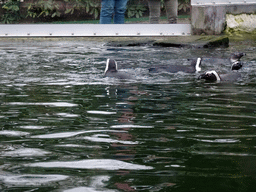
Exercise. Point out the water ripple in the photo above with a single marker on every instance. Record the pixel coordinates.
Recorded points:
(51, 104)
(25, 152)
(13, 133)
(101, 112)
(68, 134)
(129, 126)
(104, 164)
(32, 179)
(99, 138)
(87, 189)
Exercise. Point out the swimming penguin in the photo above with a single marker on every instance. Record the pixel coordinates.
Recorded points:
(214, 76)
(234, 60)
(111, 71)
(194, 67)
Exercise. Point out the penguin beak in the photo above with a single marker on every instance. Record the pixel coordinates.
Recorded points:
(242, 54)
(239, 56)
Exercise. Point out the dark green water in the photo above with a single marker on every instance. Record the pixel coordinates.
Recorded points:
(65, 128)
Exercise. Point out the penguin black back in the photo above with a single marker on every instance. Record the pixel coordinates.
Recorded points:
(194, 67)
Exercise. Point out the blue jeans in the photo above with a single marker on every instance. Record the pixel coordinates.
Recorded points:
(110, 7)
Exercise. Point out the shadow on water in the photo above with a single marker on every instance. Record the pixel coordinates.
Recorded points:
(63, 127)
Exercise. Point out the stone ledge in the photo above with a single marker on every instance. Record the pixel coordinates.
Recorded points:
(186, 41)
(178, 41)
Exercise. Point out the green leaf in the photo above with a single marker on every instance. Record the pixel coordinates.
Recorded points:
(54, 14)
(96, 14)
(68, 11)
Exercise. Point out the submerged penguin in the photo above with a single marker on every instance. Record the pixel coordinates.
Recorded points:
(214, 76)
(111, 71)
(194, 67)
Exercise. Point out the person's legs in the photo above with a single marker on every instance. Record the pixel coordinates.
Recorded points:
(120, 8)
(107, 10)
(154, 11)
(171, 7)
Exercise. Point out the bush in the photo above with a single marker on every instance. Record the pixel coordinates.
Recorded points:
(91, 7)
(43, 8)
(136, 8)
(11, 11)
(184, 5)
(48, 9)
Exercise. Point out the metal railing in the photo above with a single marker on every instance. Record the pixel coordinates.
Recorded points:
(78, 30)
(221, 2)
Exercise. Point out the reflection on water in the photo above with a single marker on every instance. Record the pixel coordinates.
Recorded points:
(66, 128)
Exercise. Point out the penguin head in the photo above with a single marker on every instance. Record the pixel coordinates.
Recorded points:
(210, 76)
(197, 64)
(111, 66)
(236, 56)
(236, 65)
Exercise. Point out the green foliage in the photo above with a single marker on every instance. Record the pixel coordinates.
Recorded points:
(135, 11)
(50, 8)
(184, 5)
(43, 8)
(136, 8)
(91, 6)
(12, 11)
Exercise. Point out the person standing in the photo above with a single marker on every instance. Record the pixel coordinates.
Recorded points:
(112, 8)
(171, 7)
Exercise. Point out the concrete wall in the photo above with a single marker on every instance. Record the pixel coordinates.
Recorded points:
(211, 19)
